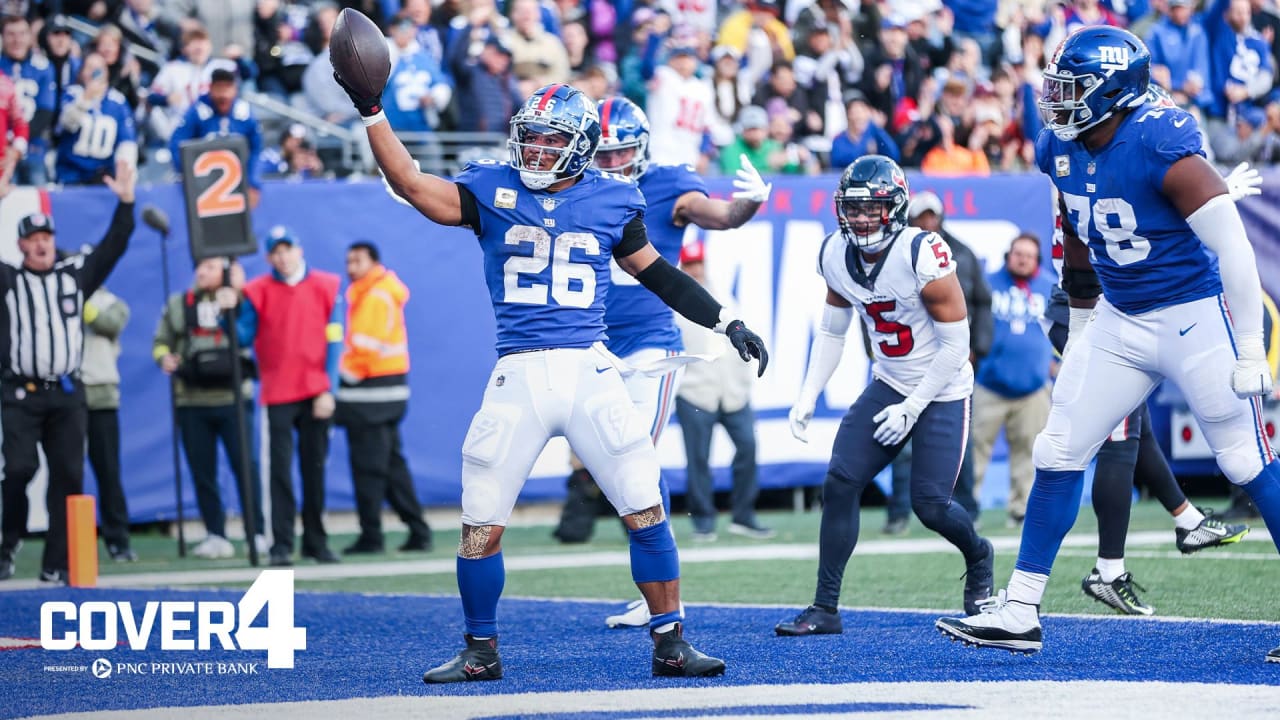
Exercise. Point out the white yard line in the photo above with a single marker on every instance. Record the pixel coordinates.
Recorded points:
(902, 701)
(688, 555)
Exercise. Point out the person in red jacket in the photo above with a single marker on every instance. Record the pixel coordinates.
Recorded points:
(13, 127)
(293, 317)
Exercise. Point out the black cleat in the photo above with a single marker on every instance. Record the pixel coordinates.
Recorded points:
(1211, 532)
(416, 543)
(322, 555)
(813, 620)
(1119, 593)
(1274, 656)
(364, 546)
(122, 553)
(979, 579)
(8, 560)
(479, 661)
(673, 656)
(54, 577)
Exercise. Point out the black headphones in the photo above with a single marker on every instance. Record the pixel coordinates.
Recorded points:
(1026, 235)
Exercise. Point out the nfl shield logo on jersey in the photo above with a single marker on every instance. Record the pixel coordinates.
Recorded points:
(549, 203)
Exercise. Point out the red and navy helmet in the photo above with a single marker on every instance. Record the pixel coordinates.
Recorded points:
(623, 125)
(872, 186)
(557, 123)
(1095, 72)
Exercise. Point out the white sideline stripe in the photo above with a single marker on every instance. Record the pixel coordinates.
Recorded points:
(1050, 700)
(557, 561)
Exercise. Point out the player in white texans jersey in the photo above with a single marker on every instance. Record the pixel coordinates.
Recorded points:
(640, 326)
(1140, 206)
(903, 283)
(548, 225)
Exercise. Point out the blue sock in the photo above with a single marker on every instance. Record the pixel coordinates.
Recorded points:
(1264, 490)
(1051, 511)
(480, 584)
(654, 557)
(658, 621)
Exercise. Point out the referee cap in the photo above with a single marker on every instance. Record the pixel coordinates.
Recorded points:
(34, 223)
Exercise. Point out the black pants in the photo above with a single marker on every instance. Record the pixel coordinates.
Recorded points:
(201, 429)
(51, 417)
(379, 472)
(104, 458)
(313, 450)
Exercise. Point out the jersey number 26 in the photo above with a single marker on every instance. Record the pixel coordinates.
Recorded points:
(573, 284)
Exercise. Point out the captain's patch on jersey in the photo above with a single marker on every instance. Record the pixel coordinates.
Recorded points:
(504, 198)
(1062, 165)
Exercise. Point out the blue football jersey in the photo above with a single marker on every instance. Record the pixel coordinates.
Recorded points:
(411, 79)
(636, 317)
(35, 82)
(89, 151)
(546, 255)
(1145, 254)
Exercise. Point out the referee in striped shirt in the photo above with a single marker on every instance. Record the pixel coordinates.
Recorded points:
(42, 400)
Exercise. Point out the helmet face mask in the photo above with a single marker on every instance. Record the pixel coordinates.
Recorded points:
(623, 127)
(554, 136)
(871, 202)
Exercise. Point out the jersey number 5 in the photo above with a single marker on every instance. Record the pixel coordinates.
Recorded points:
(905, 343)
(1124, 246)
(572, 284)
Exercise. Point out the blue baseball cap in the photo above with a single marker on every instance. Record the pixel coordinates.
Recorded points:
(281, 234)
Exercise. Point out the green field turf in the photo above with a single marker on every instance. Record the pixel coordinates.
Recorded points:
(1241, 582)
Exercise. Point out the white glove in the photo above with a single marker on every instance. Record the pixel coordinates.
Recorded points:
(1243, 181)
(753, 187)
(801, 414)
(1252, 375)
(896, 421)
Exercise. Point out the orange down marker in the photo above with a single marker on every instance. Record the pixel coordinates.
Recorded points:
(82, 540)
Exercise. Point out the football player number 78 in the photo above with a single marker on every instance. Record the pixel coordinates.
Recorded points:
(572, 284)
(1124, 246)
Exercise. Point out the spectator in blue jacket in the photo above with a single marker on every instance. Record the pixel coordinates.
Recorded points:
(1011, 389)
(417, 90)
(863, 137)
(1239, 58)
(34, 80)
(1180, 53)
(221, 112)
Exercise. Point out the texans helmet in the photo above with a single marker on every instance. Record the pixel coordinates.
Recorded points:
(871, 201)
(554, 136)
(1096, 71)
(623, 126)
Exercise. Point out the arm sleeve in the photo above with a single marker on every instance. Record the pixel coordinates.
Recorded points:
(634, 237)
(953, 353)
(824, 355)
(680, 292)
(1217, 223)
(99, 263)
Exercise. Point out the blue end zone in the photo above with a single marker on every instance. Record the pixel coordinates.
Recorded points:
(368, 646)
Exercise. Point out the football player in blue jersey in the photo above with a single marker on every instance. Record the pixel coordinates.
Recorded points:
(1140, 205)
(33, 77)
(548, 224)
(640, 326)
(96, 128)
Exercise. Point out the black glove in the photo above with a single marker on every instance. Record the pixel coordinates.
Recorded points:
(748, 344)
(368, 106)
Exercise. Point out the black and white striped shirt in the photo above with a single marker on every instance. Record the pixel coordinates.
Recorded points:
(41, 327)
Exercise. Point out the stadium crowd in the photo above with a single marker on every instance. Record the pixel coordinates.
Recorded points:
(799, 86)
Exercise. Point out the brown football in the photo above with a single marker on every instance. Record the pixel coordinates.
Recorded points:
(358, 51)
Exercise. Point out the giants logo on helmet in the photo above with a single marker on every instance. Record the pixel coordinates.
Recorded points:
(1114, 58)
